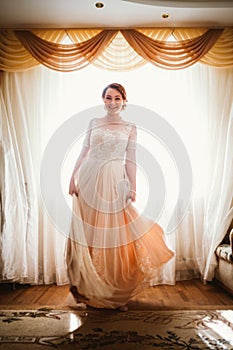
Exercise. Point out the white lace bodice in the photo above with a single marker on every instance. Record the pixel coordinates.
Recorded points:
(110, 141)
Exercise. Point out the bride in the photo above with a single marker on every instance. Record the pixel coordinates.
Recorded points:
(113, 252)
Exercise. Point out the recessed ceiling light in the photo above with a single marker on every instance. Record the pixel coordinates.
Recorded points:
(165, 15)
(99, 5)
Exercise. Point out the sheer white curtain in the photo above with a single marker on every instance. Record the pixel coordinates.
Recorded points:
(207, 130)
(212, 216)
(32, 251)
(19, 235)
(196, 102)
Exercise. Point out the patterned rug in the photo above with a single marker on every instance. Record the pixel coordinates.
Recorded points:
(110, 329)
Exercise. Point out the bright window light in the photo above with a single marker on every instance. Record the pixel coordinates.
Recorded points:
(164, 92)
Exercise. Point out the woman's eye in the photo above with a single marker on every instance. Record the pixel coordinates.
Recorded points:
(110, 99)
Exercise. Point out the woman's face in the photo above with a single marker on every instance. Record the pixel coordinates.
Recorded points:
(113, 101)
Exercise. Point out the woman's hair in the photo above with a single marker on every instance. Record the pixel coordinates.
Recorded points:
(117, 87)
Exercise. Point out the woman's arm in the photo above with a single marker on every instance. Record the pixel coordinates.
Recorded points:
(130, 163)
(82, 156)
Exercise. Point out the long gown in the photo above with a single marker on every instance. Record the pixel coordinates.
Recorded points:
(113, 251)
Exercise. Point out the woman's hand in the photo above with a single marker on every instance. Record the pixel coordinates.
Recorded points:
(72, 187)
(131, 196)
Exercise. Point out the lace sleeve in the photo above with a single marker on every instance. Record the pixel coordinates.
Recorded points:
(132, 141)
(130, 158)
(85, 147)
(86, 141)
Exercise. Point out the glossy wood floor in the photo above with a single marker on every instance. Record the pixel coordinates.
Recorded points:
(191, 294)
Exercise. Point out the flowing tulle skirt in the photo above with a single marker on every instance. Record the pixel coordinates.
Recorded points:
(113, 251)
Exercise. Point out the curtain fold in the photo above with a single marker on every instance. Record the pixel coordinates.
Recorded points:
(172, 55)
(220, 55)
(66, 58)
(120, 56)
(81, 35)
(116, 50)
(55, 36)
(218, 210)
(19, 234)
(32, 249)
(210, 211)
(13, 55)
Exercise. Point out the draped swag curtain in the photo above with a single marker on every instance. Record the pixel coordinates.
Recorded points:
(113, 49)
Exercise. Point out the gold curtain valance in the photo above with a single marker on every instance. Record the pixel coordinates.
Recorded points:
(115, 49)
(62, 57)
(172, 55)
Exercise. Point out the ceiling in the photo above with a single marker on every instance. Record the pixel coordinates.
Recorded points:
(23, 14)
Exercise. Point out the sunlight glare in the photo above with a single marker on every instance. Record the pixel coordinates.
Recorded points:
(163, 92)
(74, 322)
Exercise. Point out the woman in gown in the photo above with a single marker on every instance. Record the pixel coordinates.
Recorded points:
(113, 251)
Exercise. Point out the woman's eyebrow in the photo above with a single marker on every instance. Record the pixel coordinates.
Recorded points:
(114, 96)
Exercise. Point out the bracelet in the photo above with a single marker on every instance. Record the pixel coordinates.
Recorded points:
(132, 191)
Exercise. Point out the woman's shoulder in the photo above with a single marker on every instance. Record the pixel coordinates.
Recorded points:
(93, 122)
(131, 126)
